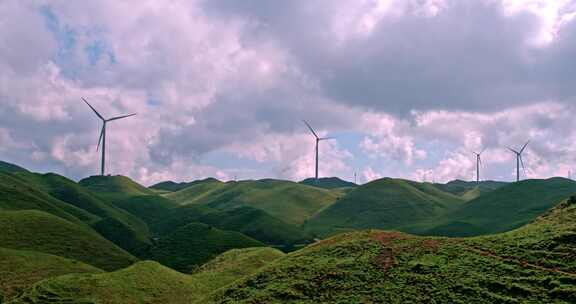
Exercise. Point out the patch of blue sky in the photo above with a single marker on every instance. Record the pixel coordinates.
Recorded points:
(66, 37)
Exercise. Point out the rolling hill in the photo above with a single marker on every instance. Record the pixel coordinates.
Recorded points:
(290, 202)
(190, 246)
(55, 194)
(385, 204)
(10, 168)
(16, 194)
(506, 208)
(250, 221)
(114, 187)
(460, 187)
(389, 267)
(328, 183)
(21, 269)
(34, 230)
(170, 186)
(150, 282)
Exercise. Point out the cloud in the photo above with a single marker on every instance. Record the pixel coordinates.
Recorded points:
(420, 83)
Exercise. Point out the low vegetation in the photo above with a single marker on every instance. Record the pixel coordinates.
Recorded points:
(42, 232)
(150, 282)
(194, 244)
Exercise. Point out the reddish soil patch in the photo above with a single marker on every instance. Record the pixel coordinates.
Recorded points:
(386, 259)
(430, 245)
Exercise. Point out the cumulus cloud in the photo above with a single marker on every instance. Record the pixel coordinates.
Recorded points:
(420, 84)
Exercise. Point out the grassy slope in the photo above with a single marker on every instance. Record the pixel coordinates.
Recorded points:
(460, 187)
(150, 282)
(328, 183)
(288, 201)
(114, 187)
(149, 208)
(170, 186)
(117, 225)
(194, 244)
(506, 208)
(43, 232)
(386, 204)
(20, 269)
(11, 168)
(250, 221)
(15, 194)
(534, 264)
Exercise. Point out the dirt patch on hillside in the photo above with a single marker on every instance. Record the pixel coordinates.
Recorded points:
(387, 256)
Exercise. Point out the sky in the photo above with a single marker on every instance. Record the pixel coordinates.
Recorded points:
(409, 88)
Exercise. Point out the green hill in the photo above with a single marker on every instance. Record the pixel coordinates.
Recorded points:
(385, 204)
(16, 194)
(39, 231)
(149, 208)
(290, 202)
(117, 225)
(250, 221)
(150, 282)
(328, 183)
(194, 244)
(506, 208)
(534, 264)
(114, 187)
(171, 186)
(10, 168)
(460, 187)
(20, 269)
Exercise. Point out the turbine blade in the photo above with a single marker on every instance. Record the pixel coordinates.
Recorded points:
(524, 147)
(513, 150)
(100, 139)
(120, 117)
(311, 130)
(326, 138)
(91, 107)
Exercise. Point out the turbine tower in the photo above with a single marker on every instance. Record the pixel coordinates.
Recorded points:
(318, 140)
(478, 164)
(102, 138)
(519, 160)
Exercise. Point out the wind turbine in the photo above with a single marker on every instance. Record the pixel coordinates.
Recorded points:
(478, 164)
(519, 160)
(318, 140)
(102, 138)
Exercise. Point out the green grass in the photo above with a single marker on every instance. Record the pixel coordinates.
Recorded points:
(114, 187)
(150, 282)
(506, 208)
(117, 225)
(385, 204)
(328, 183)
(290, 202)
(10, 168)
(170, 186)
(460, 187)
(194, 244)
(16, 194)
(20, 269)
(149, 208)
(252, 222)
(389, 267)
(39, 231)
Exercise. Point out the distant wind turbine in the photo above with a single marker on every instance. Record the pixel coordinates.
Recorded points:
(102, 138)
(318, 139)
(519, 160)
(478, 164)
